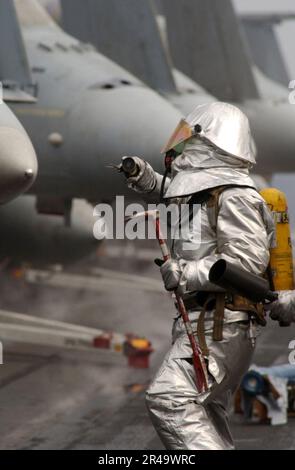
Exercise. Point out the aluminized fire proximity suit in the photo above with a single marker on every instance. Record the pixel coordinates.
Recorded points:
(219, 155)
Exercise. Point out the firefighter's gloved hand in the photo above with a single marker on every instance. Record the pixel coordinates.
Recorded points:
(144, 181)
(171, 274)
(283, 309)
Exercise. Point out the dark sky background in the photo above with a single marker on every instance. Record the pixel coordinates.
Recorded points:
(286, 35)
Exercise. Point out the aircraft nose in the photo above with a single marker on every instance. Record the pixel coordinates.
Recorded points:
(18, 163)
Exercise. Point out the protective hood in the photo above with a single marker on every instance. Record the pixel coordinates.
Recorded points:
(219, 124)
(202, 166)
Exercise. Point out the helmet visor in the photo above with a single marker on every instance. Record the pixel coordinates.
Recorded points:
(182, 132)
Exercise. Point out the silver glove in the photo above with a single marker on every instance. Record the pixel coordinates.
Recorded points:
(283, 309)
(145, 180)
(171, 274)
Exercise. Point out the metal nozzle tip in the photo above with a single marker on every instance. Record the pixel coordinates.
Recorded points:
(29, 173)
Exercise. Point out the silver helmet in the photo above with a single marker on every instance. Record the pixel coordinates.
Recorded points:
(222, 125)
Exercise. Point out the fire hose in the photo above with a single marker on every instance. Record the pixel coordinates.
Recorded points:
(201, 376)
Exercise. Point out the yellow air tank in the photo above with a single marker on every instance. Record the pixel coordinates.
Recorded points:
(281, 259)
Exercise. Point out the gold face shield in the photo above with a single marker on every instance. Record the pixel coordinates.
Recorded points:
(182, 133)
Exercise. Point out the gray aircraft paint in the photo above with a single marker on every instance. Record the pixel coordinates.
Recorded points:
(18, 164)
(200, 33)
(275, 143)
(88, 114)
(14, 68)
(97, 22)
(135, 39)
(264, 47)
(271, 116)
(44, 238)
(99, 109)
(285, 31)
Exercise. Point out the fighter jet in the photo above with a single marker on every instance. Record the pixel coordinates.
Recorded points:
(208, 46)
(18, 163)
(44, 239)
(86, 112)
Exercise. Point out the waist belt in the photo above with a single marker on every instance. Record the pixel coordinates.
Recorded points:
(205, 301)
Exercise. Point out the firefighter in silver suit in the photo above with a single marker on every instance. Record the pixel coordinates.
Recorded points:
(213, 152)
